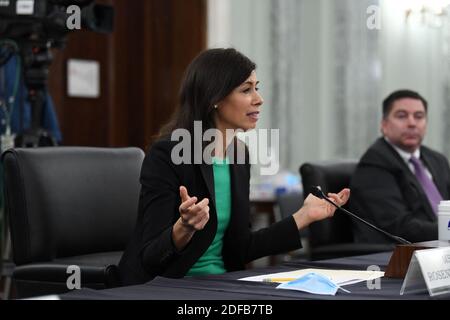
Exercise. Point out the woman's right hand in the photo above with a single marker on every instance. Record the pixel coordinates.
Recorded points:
(194, 216)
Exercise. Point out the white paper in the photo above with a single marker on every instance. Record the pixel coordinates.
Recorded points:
(340, 277)
(49, 297)
(25, 7)
(83, 78)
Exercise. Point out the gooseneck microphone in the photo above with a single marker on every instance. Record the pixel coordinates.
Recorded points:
(316, 191)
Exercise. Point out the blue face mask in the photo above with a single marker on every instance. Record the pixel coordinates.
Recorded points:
(313, 283)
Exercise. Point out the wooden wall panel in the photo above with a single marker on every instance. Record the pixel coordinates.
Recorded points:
(142, 63)
(83, 121)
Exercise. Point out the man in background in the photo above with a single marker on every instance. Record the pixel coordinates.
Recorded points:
(399, 182)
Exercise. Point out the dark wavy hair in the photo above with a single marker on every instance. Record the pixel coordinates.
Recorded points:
(400, 94)
(209, 78)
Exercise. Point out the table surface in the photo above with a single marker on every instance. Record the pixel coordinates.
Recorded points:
(228, 287)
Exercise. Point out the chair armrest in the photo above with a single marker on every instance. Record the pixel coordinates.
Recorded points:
(90, 276)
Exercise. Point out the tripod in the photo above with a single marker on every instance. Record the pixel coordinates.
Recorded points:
(36, 59)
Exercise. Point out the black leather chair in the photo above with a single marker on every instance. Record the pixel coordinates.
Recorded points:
(289, 203)
(69, 206)
(333, 238)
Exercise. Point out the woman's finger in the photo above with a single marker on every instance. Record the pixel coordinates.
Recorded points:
(200, 220)
(184, 194)
(199, 206)
(184, 207)
(334, 197)
(344, 194)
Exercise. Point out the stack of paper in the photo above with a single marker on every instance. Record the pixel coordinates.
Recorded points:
(339, 277)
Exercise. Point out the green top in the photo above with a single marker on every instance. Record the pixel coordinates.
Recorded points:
(211, 261)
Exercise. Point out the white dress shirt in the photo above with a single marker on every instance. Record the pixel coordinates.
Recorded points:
(406, 156)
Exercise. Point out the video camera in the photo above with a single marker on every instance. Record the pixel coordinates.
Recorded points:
(30, 28)
(47, 19)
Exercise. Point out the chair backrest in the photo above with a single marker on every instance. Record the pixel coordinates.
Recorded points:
(289, 203)
(332, 177)
(68, 201)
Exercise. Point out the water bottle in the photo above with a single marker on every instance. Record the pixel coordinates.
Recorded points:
(444, 220)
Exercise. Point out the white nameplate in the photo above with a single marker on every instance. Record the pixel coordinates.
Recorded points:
(428, 269)
(25, 7)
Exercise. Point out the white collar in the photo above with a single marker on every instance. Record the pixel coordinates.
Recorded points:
(406, 156)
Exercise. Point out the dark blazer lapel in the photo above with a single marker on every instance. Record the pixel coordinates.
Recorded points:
(239, 195)
(208, 176)
(412, 180)
(403, 166)
(432, 166)
(394, 158)
(416, 184)
(406, 171)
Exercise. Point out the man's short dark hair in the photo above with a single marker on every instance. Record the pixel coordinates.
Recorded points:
(400, 94)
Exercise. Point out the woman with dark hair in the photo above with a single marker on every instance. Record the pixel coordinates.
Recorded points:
(194, 216)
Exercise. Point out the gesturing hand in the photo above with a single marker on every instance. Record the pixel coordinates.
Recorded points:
(319, 209)
(315, 209)
(194, 216)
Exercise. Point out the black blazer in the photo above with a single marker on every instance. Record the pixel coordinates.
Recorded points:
(387, 193)
(151, 251)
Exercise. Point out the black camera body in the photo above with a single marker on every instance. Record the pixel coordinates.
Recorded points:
(30, 28)
(47, 19)
(23, 9)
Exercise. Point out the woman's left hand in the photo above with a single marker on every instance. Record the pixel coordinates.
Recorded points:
(315, 209)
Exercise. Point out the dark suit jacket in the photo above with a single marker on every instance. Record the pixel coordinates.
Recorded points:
(151, 251)
(387, 193)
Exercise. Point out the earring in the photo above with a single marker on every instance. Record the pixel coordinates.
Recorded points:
(216, 106)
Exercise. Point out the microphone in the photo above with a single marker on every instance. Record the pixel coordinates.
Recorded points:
(317, 191)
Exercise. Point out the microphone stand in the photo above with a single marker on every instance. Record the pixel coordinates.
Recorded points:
(316, 191)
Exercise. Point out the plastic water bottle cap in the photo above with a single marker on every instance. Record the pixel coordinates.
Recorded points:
(280, 191)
